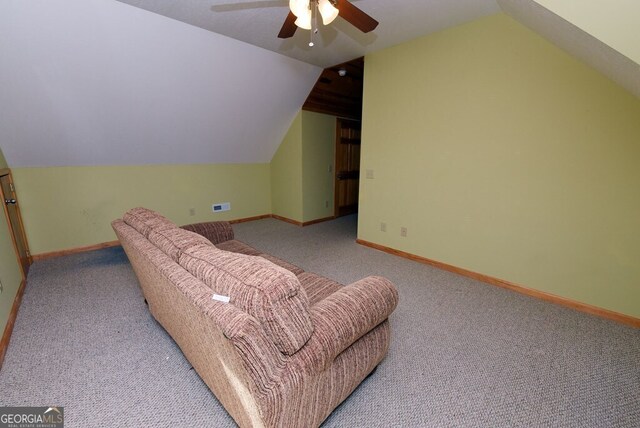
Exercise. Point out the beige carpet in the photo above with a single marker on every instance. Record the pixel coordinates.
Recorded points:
(463, 354)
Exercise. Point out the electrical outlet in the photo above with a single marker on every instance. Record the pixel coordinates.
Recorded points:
(326, 204)
(1, 287)
(403, 232)
(192, 212)
(370, 174)
(383, 227)
(330, 169)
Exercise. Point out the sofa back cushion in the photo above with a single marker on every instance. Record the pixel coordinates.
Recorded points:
(265, 291)
(173, 241)
(144, 220)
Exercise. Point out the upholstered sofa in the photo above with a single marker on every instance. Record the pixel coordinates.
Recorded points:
(278, 346)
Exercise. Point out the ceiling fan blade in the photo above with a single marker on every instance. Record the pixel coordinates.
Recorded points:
(289, 27)
(355, 16)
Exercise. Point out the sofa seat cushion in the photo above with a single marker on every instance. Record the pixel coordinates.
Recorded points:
(317, 287)
(269, 293)
(144, 220)
(214, 231)
(279, 262)
(242, 248)
(238, 247)
(174, 241)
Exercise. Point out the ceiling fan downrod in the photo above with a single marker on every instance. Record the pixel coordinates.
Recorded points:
(313, 5)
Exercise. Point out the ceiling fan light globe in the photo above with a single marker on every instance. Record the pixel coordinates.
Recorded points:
(304, 21)
(299, 7)
(327, 11)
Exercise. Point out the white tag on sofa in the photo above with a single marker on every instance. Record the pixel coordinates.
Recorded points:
(219, 298)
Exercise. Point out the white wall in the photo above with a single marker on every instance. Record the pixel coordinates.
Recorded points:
(99, 82)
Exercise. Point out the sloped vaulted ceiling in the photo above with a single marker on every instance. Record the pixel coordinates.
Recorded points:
(259, 21)
(604, 35)
(101, 82)
(98, 82)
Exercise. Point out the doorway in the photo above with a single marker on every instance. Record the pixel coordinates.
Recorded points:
(14, 219)
(347, 169)
(338, 92)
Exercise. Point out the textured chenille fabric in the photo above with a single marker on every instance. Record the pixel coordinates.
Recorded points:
(214, 231)
(242, 248)
(238, 247)
(175, 240)
(269, 293)
(289, 346)
(317, 287)
(283, 264)
(144, 220)
(346, 315)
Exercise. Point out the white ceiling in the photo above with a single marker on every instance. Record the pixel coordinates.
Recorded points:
(258, 23)
(97, 82)
(577, 42)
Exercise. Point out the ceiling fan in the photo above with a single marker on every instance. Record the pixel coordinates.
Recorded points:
(304, 14)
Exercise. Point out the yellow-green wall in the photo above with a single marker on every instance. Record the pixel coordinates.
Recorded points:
(69, 207)
(318, 157)
(10, 273)
(503, 155)
(286, 174)
(301, 170)
(3, 161)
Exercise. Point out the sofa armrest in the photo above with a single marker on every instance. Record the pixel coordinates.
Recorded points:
(214, 231)
(345, 316)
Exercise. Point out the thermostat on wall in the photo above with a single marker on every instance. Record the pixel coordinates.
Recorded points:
(225, 206)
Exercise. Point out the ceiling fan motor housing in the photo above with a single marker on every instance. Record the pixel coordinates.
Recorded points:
(301, 12)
